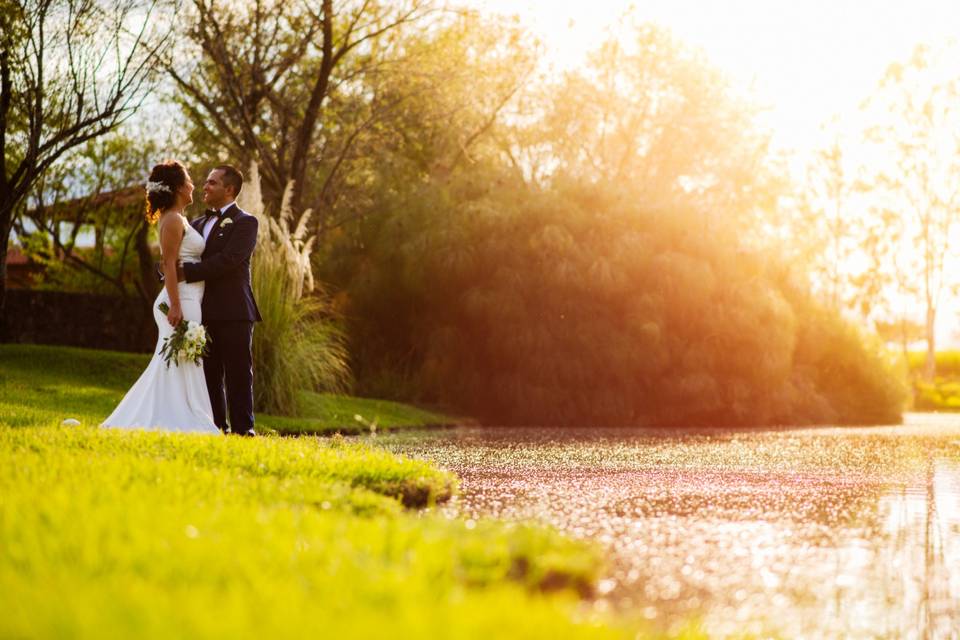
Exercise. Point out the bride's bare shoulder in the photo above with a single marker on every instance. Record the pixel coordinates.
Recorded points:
(172, 217)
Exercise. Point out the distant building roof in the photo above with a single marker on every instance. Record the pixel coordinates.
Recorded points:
(16, 257)
(117, 198)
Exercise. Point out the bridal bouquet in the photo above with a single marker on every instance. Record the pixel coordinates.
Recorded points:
(188, 341)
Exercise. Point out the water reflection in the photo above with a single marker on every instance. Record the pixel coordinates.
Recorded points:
(922, 556)
(798, 533)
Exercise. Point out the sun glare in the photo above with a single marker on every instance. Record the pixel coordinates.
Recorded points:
(805, 61)
(808, 66)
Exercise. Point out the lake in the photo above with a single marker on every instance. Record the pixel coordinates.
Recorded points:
(816, 532)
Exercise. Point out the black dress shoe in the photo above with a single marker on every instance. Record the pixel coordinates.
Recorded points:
(249, 433)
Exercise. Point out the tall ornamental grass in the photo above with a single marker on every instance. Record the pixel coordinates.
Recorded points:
(298, 346)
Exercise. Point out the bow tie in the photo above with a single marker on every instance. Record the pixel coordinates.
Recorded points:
(212, 212)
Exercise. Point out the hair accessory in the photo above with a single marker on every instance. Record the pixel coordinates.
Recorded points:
(156, 186)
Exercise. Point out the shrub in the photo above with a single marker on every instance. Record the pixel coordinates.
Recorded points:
(857, 377)
(588, 305)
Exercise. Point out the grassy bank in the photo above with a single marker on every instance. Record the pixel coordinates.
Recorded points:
(139, 534)
(142, 534)
(43, 385)
(325, 413)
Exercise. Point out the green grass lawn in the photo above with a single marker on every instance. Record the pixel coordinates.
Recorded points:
(325, 413)
(143, 534)
(45, 385)
(115, 533)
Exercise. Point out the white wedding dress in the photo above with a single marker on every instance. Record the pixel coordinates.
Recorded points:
(171, 398)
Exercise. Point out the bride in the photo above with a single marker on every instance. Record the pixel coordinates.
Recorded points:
(170, 398)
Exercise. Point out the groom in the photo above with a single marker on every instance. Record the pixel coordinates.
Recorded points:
(228, 307)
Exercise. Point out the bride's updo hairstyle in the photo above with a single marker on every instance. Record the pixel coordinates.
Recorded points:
(165, 180)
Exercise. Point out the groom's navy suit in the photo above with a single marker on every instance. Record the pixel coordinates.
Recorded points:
(229, 312)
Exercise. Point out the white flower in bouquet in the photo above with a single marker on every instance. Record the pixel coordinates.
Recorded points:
(195, 332)
(188, 342)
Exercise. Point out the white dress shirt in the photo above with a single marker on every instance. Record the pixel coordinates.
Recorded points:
(208, 225)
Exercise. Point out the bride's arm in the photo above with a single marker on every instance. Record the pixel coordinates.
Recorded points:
(171, 235)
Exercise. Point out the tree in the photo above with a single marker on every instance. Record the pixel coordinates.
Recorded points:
(917, 135)
(449, 97)
(95, 188)
(901, 331)
(262, 78)
(650, 110)
(70, 71)
(845, 241)
(589, 292)
(830, 219)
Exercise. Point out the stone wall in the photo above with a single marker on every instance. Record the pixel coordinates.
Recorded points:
(79, 320)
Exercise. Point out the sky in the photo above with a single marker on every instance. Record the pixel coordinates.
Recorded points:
(805, 60)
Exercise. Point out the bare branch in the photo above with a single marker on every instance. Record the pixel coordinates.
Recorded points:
(6, 94)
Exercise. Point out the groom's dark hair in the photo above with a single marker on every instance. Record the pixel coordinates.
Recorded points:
(231, 177)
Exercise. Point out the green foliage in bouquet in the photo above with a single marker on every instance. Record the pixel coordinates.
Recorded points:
(188, 342)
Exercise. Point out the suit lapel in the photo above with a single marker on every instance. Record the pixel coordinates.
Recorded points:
(229, 212)
(197, 224)
(214, 228)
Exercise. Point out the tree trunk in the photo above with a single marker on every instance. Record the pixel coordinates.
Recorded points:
(930, 367)
(148, 286)
(905, 339)
(301, 151)
(6, 224)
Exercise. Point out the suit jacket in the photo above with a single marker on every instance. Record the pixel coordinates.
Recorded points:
(225, 267)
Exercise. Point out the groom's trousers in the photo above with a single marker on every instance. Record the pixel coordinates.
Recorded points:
(228, 369)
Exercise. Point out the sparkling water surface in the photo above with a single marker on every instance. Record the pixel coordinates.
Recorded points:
(797, 533)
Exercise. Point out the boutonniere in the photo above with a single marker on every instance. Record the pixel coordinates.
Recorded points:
(226, 221)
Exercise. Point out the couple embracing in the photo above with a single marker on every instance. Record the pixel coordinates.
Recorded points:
(206, 276)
